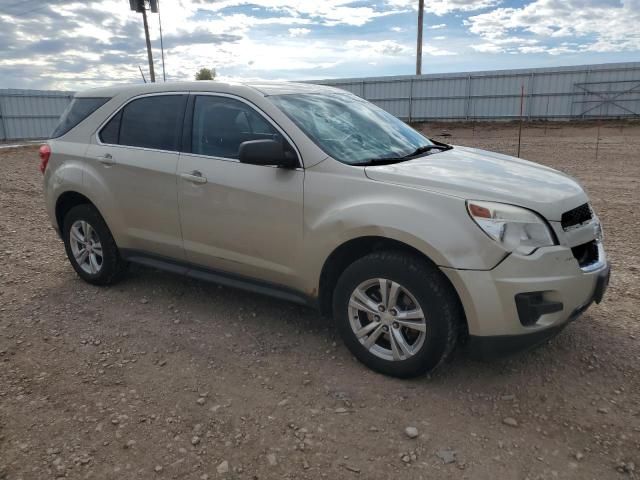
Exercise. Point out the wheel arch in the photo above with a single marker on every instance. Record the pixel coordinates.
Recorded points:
(350, 251)
(66, 201)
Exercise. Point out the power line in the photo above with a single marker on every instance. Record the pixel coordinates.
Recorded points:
(27, 12)
(13, 4)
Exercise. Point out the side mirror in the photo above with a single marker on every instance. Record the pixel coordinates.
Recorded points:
(266, 152)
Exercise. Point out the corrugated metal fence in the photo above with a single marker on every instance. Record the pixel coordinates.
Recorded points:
(561, 93)
(30, 113)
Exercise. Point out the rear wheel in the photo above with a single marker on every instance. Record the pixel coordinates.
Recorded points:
(397, 314)
(90, 246)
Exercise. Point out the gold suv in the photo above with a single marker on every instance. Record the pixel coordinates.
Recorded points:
(314, 195)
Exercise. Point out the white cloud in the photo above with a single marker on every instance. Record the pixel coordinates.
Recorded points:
(443, 7)
(509, 45)
(534, 49)
(75, 45)
(327, 12)
(599, 25)
(298, 32)
(375, 49)
(437, 52)
(487, 48)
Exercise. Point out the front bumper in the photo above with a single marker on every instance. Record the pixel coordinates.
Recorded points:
(496, 327)
(485, 347)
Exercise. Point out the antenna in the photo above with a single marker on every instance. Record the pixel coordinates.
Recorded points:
(164, 74)
(143, 79)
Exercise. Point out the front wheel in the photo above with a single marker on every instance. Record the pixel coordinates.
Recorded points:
(396, 313)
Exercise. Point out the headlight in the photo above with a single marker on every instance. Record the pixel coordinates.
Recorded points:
(516, 229)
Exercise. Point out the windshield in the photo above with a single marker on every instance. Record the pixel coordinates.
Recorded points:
(349, 128)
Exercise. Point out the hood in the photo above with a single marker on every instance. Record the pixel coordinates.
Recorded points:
(475, 174)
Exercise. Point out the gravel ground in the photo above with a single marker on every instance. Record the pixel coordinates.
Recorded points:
(166, 377)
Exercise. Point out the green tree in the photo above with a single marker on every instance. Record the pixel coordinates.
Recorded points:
(206, 74)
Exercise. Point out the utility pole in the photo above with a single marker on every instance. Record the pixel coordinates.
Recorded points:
(140, 6)
(419, 47)
(152, 74)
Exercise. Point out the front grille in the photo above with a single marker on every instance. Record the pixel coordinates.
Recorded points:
(586, 254)
(576, 216)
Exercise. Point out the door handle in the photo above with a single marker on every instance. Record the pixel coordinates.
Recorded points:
(106, 159)
(194, 177)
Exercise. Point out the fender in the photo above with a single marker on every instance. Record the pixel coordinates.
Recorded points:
(77, 178)
(411, 216)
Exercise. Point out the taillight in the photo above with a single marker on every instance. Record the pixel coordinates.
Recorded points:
(45, 153)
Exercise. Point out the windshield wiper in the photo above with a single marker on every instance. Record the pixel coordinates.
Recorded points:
(382, 161)
(427, 148)
(418, 151)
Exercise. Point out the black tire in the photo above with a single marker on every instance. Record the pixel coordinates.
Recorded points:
(112, 266)
(435, 295)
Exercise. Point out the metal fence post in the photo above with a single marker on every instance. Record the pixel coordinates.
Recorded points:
(3, 125)
(467, 108)
(584, 95)
(530, 99)
(411, 100)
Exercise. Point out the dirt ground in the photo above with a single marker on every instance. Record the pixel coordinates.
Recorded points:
(167, 377)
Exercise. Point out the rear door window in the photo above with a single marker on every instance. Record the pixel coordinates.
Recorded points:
(150, 122)
(79, 109)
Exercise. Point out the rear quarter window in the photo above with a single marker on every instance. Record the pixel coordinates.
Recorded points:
(110, 134)
(79, 109)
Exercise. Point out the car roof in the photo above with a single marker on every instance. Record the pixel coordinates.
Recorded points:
(264, 88)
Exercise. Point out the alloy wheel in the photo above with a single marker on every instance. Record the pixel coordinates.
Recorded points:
(86, 246)
(387, 319)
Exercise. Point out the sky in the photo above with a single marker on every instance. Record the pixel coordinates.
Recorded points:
(70, 45)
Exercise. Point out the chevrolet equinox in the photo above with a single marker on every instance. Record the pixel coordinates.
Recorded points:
(314, 195)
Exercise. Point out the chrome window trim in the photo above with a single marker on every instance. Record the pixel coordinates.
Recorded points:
(120, 108)
(258, 110)
(144, 149)
(231, 160)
